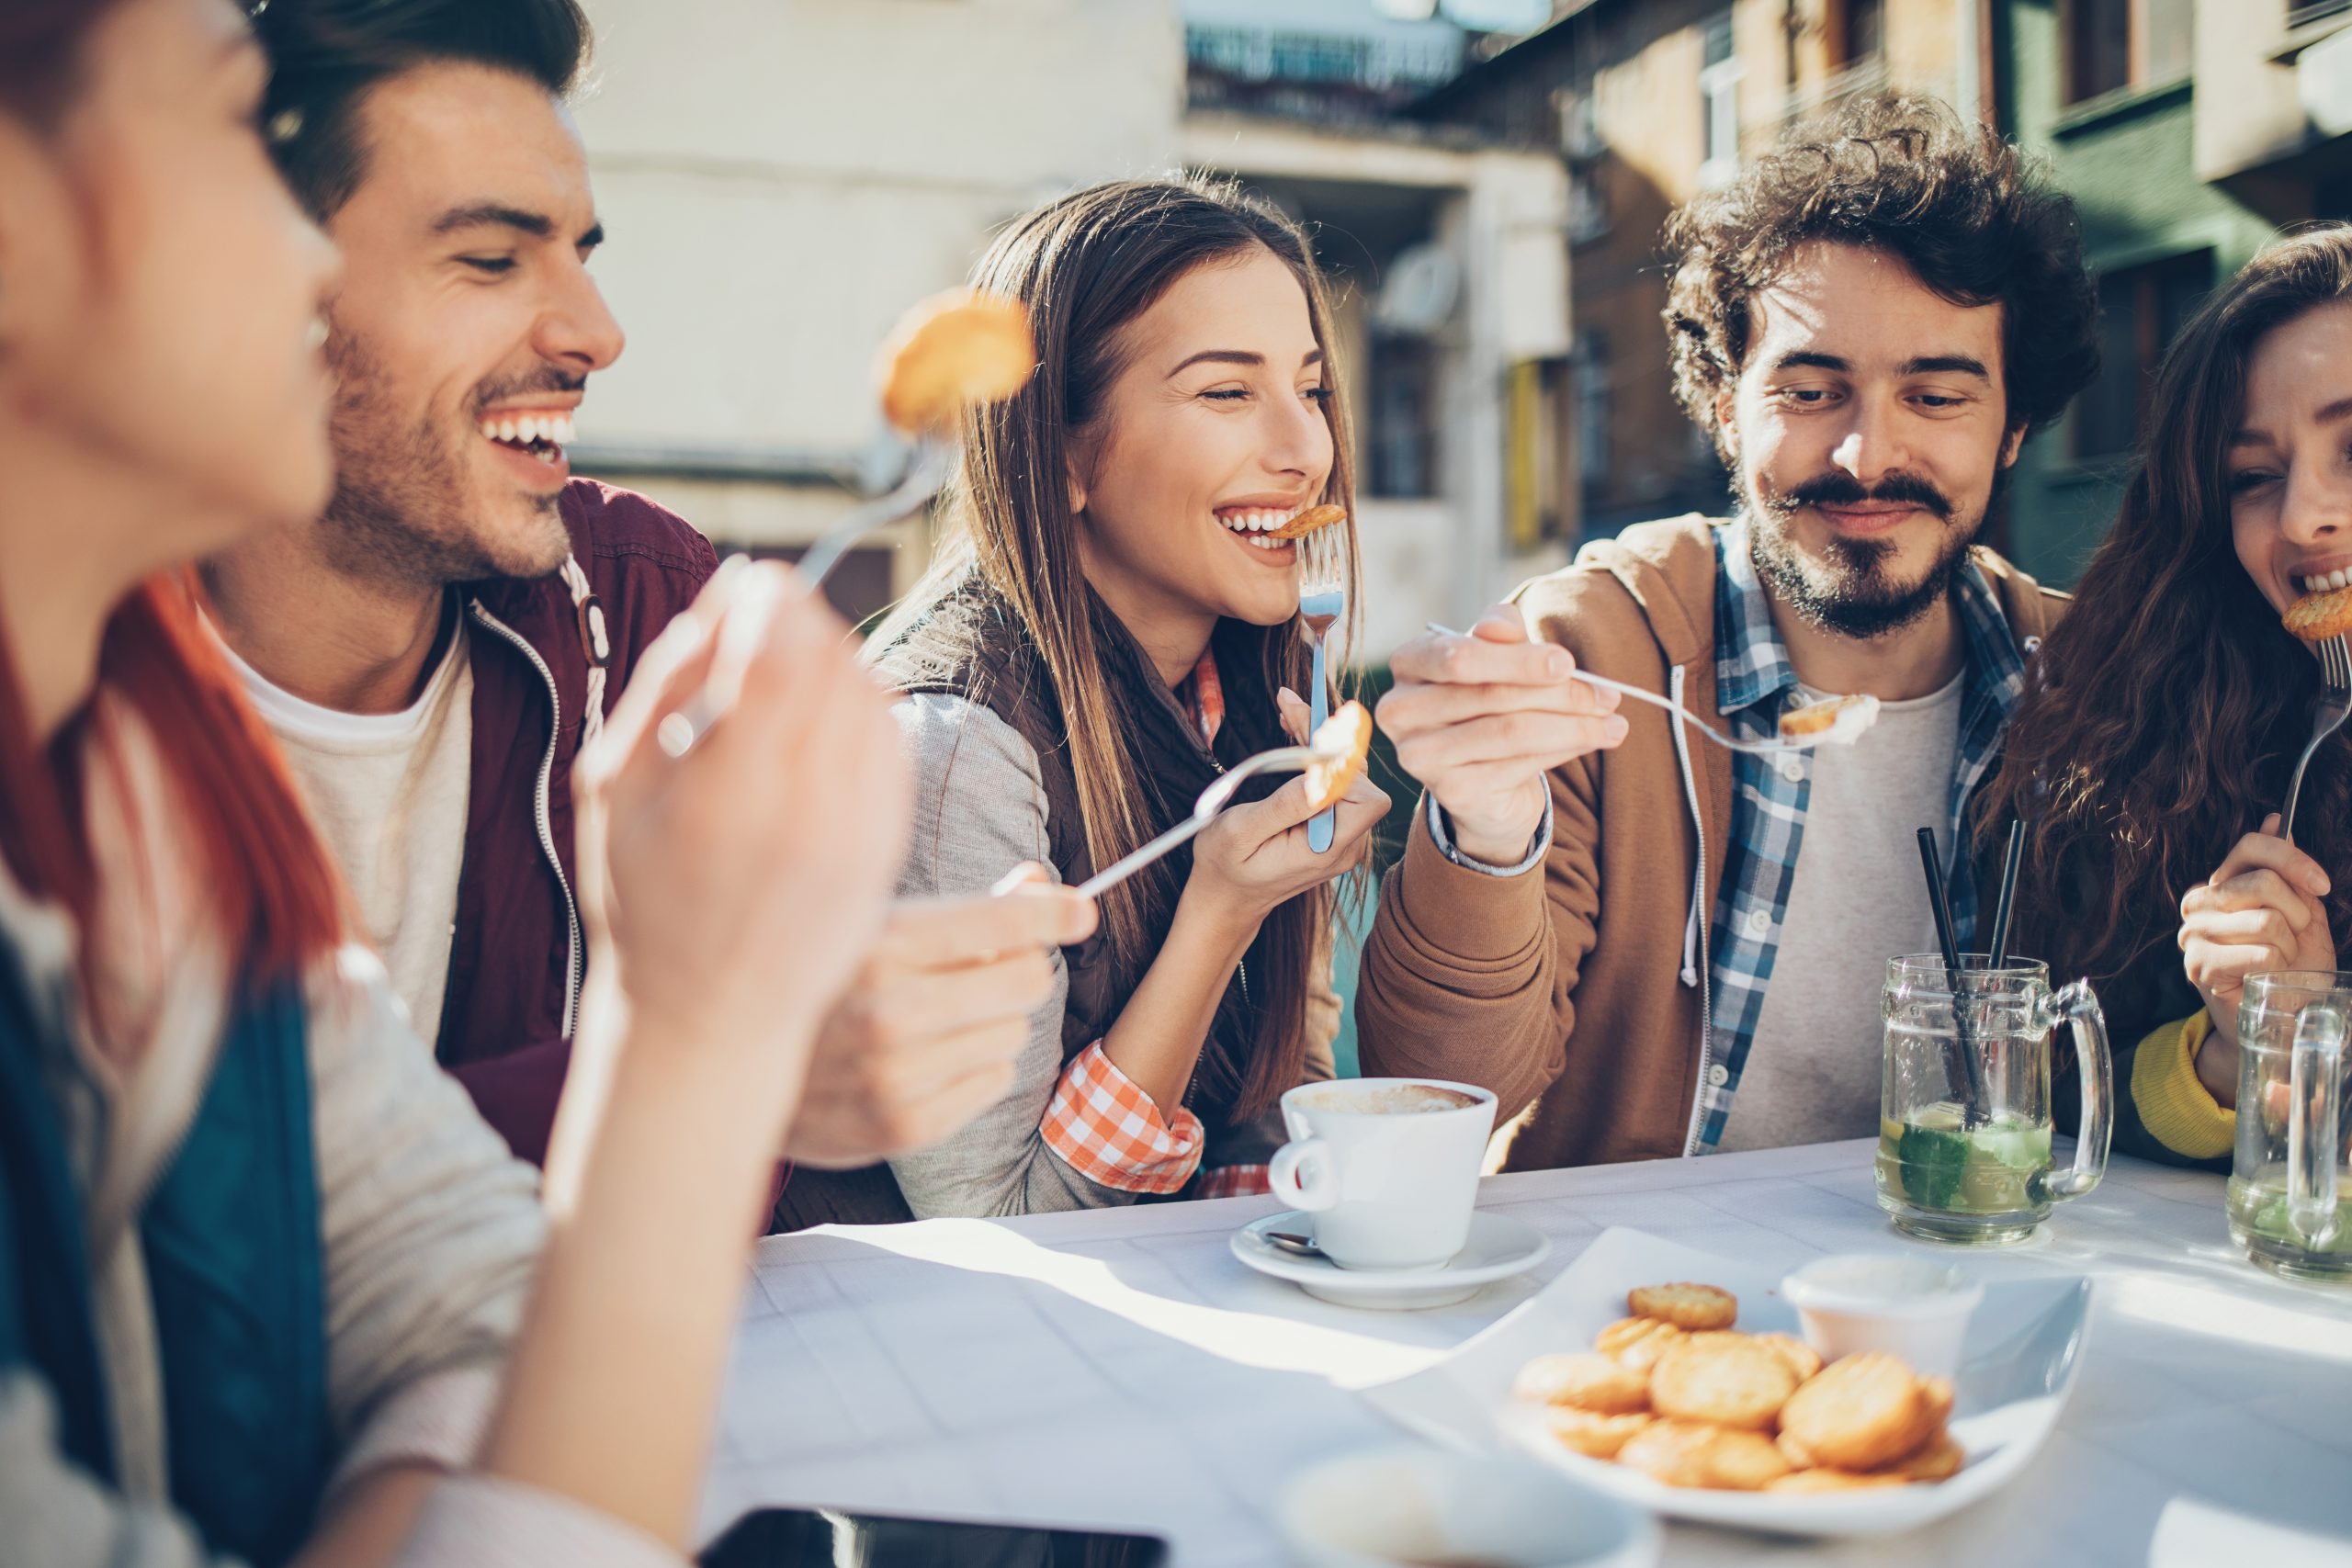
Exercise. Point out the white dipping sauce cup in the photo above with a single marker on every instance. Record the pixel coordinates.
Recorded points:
(1909, 1308)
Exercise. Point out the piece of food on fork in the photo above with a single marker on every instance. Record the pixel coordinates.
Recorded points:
(2324, 610)
(951, 352)
(1833, 721)
(1313, 520)
(1345, 739)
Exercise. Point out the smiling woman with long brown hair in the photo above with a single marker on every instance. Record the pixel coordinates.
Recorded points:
(2153, 747)
(1106, 631)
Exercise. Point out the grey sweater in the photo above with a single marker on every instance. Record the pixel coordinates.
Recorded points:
(980, 809)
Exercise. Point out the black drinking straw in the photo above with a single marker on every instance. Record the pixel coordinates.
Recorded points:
(1971, 1077)
(2002, 910)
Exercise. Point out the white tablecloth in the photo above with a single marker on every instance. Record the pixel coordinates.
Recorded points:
(1119, 1368)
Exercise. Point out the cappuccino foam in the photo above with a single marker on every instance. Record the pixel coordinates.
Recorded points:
(1388, 1099)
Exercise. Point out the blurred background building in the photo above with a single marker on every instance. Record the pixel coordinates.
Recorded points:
(1485, 180)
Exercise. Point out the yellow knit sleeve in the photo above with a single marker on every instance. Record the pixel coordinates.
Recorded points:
(2174, 1106)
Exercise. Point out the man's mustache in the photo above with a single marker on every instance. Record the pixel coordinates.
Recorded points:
(1844, 490)
(548, 380)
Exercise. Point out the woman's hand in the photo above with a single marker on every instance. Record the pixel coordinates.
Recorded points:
(2260, 911)
(1254, 858)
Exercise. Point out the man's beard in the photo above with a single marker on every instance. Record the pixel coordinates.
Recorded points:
(1854, 593)
(401, 510)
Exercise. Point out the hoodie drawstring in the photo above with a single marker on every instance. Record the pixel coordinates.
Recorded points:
(599, 645)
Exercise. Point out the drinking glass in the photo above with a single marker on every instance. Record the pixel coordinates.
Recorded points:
(2291, 1184)
(1965, 1125)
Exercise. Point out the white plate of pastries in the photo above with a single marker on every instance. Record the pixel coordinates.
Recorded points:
(1681, 1380)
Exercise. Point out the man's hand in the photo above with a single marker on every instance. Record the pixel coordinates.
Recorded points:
(927, 1036)
(2260, 911)
(1481, 719)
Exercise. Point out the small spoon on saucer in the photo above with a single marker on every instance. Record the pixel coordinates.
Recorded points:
(1292, 1243)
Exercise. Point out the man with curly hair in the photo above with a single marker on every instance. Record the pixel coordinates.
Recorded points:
(1869, 324)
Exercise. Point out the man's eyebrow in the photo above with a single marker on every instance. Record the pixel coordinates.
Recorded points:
(1946, 365)
(494, 215)
(1805, 359)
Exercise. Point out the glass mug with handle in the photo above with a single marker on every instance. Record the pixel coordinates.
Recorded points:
(2291, 1177)
(1965, 1112)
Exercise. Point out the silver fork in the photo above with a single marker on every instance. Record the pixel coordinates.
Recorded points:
(2328, 712)
(1322, 600)
(1728, 742)
(1214, 799)
(932, 461)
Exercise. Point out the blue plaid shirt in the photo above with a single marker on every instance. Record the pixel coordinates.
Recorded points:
(1754, 681)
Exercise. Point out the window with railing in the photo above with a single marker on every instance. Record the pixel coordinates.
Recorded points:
(2111, 45)
(1718, 104)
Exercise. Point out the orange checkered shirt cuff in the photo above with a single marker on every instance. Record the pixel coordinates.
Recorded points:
(1234, 1181)
(1109, 1130)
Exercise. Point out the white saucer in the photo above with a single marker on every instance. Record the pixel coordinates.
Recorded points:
(1499, 1247)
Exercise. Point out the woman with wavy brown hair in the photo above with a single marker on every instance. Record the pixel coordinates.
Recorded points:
(2153, 748)
(1109, 626)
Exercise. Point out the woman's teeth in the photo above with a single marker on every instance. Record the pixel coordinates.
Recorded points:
(538, 434)
(2334, 580)
(1254, 524)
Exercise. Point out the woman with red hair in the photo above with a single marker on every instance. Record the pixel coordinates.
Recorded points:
(268, 1287)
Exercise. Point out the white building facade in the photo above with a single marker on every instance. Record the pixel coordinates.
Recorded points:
(781, 177)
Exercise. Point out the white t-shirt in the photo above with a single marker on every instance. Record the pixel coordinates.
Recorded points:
(1858, 898)
(389, 793)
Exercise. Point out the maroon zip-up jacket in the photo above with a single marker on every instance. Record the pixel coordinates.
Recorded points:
(517, 956)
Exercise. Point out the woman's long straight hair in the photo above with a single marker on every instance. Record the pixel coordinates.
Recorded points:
(1086, 266)
(2162, 716)
(269, 880)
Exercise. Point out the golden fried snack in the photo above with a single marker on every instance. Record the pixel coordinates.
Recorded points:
(951, 351)
(1860, 1413)
(1641, 1352)
(1313, 520)
(1795, 1452)
(1586, 1381)
(1349, 731)
(1686, 1306)
(1801, 1358)
(2314, 617)
(1938, 1459)
(1935, 1400)
(1589, 1433)
(1692, 1453)
(1728, 1379)
(1814, 1481)
(1624, 1332)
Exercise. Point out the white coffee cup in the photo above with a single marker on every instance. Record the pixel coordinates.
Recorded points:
(1387, 1167)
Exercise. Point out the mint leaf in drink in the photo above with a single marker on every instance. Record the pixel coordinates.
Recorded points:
(1934, 1161)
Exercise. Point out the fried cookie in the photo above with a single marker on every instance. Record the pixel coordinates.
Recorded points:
(1935, 1400)
(1860, 1413)
(1642, 1351)
(1624, 1332)
(1585, 1381)
(1799, 1356)
(951, 351)
(1686, 1306)
(1729, 1380)
(1938, 1459)
(1693, 1454)
(1313, 520)
(2315, 617)
(1816, 1482)
(1348, 735)
(1591, 1433)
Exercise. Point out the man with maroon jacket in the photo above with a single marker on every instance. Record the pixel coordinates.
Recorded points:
(433, 654)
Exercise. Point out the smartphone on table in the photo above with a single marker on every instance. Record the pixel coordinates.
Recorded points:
(827, 1538)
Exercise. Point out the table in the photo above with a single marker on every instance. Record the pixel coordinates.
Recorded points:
(1119, 1368)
